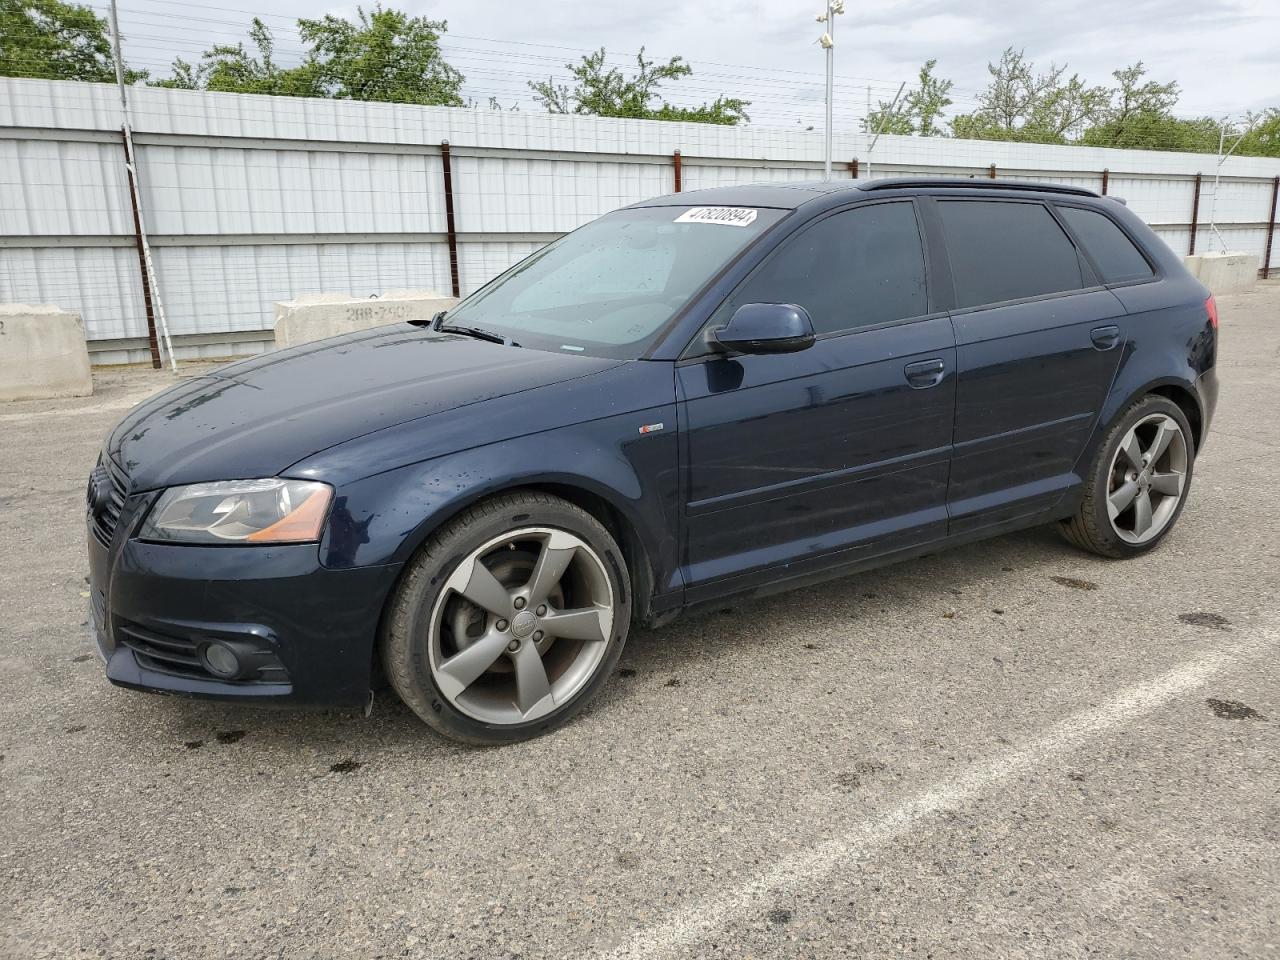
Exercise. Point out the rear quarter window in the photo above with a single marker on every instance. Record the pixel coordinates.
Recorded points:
(1113, 253)
(1007, 250)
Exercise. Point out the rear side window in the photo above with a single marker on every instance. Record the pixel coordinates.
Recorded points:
(1117, 259)
(1004, 250)
(853, 269)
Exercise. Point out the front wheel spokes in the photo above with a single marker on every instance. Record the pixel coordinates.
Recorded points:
(533, 689)
(465, 667)
(585, 624)
(558, 551)
(1142, 513)
(474, 581)
(1169, 484)
(547, 605)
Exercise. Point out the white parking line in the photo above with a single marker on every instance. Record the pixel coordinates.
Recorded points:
(704, 919)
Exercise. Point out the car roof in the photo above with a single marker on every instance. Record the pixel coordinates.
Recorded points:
(788, 196)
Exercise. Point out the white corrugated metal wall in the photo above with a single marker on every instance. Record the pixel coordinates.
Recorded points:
(251, 199)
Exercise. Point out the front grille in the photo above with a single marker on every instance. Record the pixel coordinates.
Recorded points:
(180, 656)
(106, 475)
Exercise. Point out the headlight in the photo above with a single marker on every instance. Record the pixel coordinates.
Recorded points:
(240, 511)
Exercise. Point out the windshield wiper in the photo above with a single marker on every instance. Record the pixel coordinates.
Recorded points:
(478, 332)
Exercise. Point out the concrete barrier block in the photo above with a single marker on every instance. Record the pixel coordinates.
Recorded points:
(43, 353)
(317, 316)
(1224, 272)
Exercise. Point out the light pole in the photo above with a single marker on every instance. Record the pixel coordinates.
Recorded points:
(828, 42)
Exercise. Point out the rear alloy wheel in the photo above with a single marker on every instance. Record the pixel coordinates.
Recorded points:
(1138, 482)
(1147, 476)
(515, 633)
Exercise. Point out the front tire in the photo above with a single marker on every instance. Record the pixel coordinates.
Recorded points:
(1138, 482)
(509, 619)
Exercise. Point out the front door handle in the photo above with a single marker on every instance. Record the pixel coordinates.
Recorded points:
(1104, 338)
(925, 373)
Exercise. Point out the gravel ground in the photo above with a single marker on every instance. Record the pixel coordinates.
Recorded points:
(1011, 749)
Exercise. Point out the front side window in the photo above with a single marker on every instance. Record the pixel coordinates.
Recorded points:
(1118, 260)
(1006, 250)
(852, 269)
(608, 288)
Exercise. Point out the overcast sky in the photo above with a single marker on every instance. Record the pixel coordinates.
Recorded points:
(1224, 54)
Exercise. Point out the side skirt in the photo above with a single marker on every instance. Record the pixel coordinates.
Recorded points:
(843, 566)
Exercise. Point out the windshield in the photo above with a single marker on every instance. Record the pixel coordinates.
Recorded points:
(608, 288)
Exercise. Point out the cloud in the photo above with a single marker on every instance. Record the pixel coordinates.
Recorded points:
(1221, 52)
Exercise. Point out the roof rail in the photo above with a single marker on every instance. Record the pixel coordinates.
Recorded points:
(965, 183)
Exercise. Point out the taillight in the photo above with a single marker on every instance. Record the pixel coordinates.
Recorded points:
(1212, 309)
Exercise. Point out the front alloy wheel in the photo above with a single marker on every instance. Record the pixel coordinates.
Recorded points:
(508, 620)
(521, 625)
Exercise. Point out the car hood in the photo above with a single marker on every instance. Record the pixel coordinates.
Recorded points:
(257, 417)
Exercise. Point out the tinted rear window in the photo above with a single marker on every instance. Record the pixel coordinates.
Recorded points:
(1117, 259)
(1004, 250)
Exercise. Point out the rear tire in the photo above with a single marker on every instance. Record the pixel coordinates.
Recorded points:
(509, 619)
(1138, 482)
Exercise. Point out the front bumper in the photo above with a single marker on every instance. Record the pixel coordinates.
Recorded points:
(306, 632)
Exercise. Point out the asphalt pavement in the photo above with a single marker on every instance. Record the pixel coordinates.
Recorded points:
(1012, 749)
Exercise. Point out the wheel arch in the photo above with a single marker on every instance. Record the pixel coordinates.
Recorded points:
(620, 526)
(1188, 404)
(606, 506)
(1180, 392)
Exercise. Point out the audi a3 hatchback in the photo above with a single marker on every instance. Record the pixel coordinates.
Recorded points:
(708, 395)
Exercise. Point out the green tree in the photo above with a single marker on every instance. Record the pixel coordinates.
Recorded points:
(384, 55)
(1133, 98)
(233, 69)
(1153, 130)
(1263, 138)
(1140, 116)
(920, 110)
(52, 40)
(606, 92)
(1025, 105)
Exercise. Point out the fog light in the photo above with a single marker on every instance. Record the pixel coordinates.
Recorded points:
(220, 660)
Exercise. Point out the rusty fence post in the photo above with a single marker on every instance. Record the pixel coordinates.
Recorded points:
(450, 228)
(675, 162)
(1106, 176)
(153, 345)
(1271, 229)
(991, 171)
(1195, 216)
(853, 168)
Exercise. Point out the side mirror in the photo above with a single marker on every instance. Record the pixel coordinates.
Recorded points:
(765, 328)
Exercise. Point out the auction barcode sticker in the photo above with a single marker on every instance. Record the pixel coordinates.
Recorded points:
(726, 216)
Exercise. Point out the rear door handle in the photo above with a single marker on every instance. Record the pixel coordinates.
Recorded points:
(1104, 338)
(925, 373)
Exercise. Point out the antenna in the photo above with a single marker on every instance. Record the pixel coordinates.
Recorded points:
(1217, 175)
(153, 289)
(884, 118)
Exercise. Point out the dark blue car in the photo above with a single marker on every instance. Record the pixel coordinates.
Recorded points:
(707, 395)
